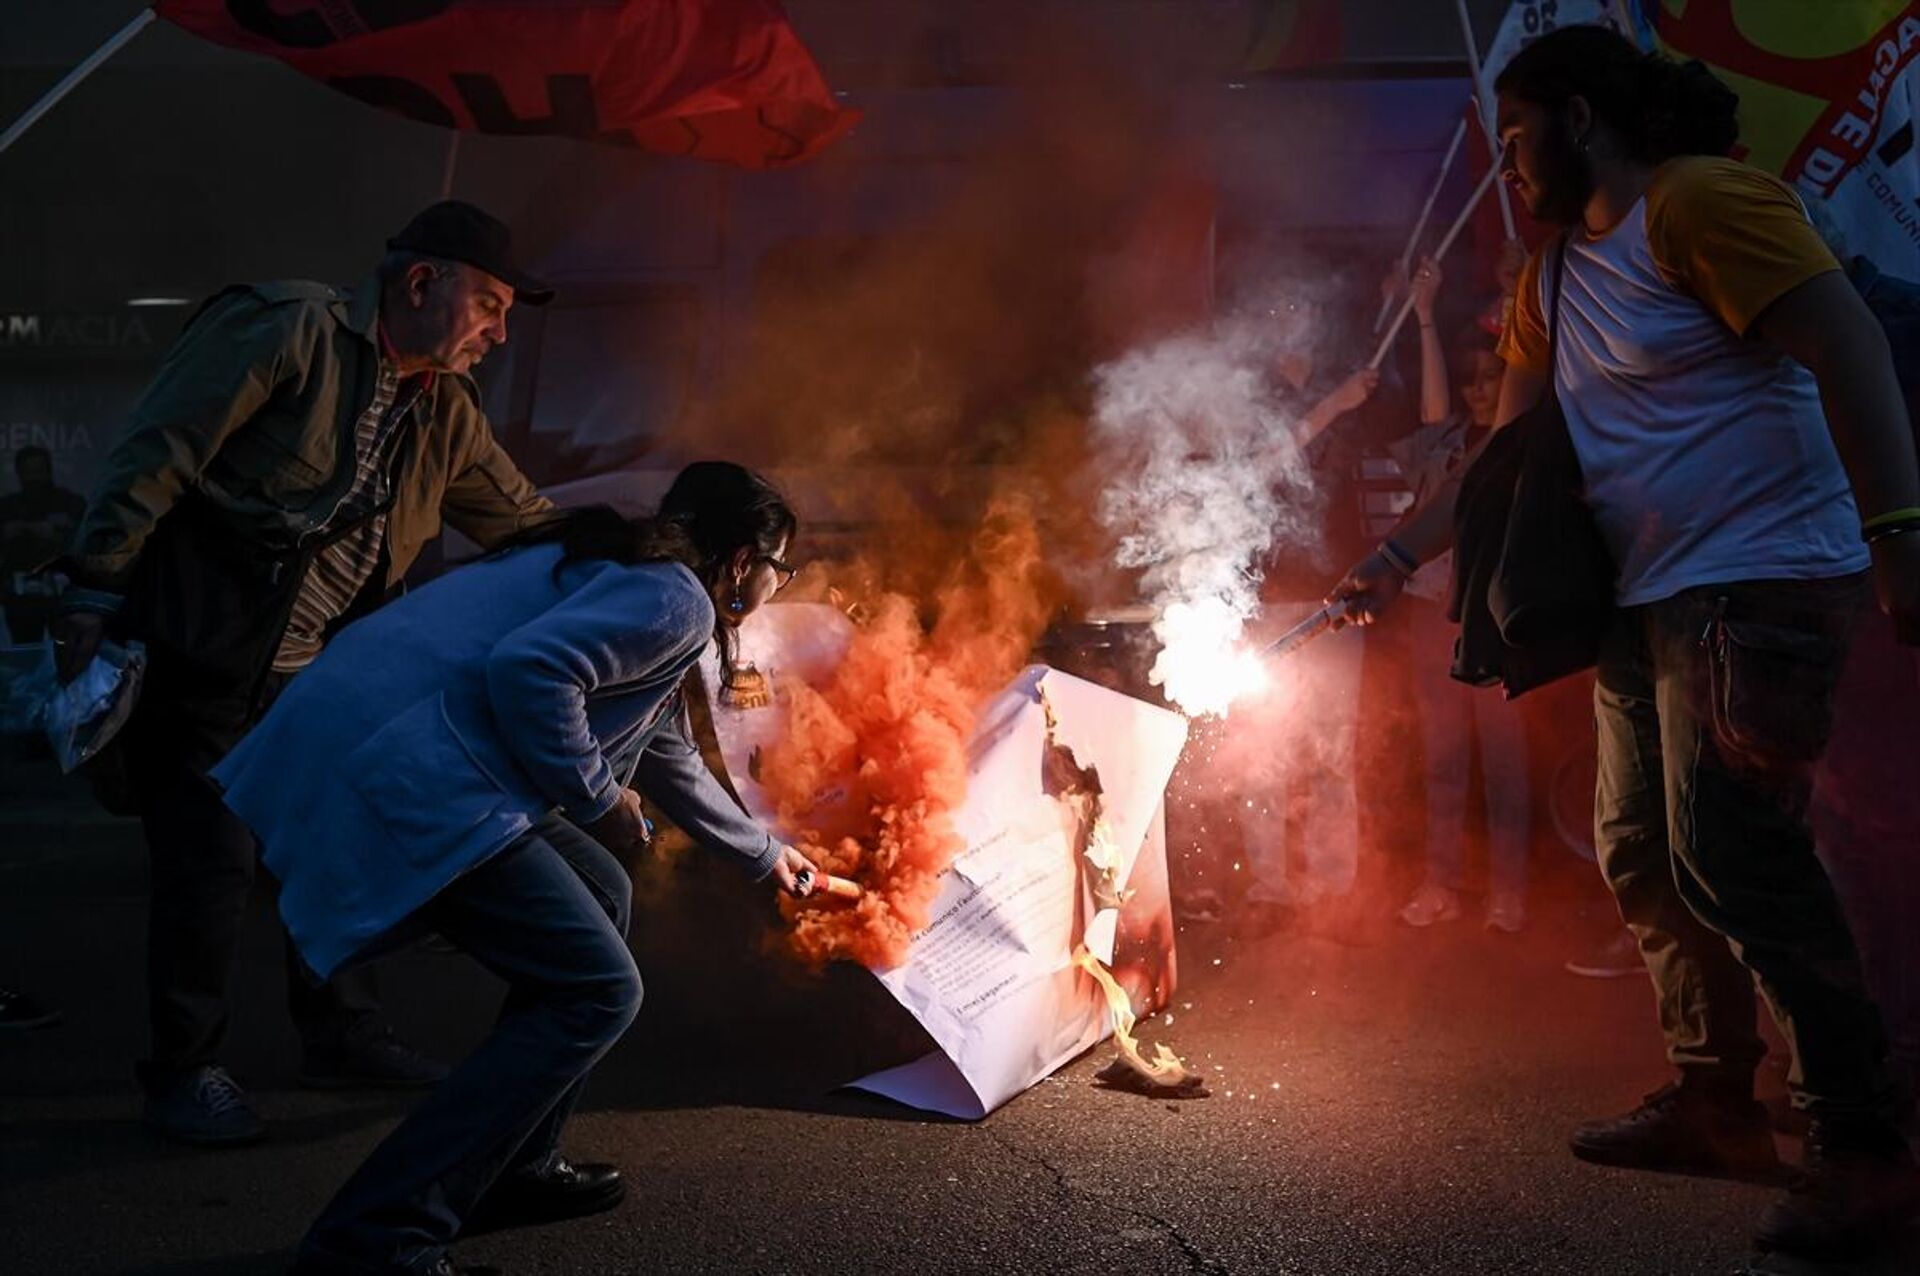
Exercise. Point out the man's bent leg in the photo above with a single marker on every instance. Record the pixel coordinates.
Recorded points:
(1703, 994)
(1749, 670)
(1708, 1123)
(202, 867)
(1746, 686)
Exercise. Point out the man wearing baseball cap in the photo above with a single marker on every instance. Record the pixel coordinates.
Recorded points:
(298, 448)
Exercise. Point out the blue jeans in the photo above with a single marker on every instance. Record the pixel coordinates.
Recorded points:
(548, 915)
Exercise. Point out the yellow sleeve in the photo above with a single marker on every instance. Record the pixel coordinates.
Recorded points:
(1731, 236)
(1524, 342)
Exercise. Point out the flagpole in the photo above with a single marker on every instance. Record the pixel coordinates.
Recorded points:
(1483, 105)
(73, 78)
(1453, 233)
(1426, 211)
(452, 162)
(1624, 14)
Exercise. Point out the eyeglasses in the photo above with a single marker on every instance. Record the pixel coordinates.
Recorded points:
(783, 572)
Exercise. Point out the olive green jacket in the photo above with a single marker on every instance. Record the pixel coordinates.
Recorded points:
(255, 409)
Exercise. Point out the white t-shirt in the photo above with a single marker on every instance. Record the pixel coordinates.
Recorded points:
(1706, 455)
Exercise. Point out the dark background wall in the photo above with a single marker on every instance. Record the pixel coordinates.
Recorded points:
(181, 166)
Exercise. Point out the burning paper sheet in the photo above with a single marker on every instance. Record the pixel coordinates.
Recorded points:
(999, 978)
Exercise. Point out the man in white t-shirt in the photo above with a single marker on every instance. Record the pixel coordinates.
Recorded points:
(1747, 457)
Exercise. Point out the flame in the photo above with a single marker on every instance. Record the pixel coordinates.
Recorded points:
(1203, 666)
(873, 763)
(1166, 1067)
(1103, 867)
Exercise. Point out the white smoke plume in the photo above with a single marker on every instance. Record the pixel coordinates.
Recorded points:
(1207, 476)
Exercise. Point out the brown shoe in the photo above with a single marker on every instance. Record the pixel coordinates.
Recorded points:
(1856, 1191)
(1685, 1128)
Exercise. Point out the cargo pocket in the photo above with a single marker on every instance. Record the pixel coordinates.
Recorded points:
(425, 785)
(1771, 690)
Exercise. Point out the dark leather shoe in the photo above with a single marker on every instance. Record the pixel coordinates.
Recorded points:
(1856, 1190)
(561, 1191)
(1685, 1128)
(368, 1056)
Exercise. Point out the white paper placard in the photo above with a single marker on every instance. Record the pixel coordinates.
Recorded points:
(991, 977)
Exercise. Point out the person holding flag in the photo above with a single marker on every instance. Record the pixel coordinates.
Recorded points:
(1747, 459)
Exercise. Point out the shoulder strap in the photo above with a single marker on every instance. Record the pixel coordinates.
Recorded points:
(1553, 300)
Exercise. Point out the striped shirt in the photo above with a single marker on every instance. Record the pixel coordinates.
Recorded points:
(346, 560)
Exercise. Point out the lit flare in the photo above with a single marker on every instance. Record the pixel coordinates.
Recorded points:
(1203, 666)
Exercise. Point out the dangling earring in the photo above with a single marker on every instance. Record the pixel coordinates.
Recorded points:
(736, 605)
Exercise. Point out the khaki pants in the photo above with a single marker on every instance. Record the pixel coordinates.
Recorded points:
(1712, 708)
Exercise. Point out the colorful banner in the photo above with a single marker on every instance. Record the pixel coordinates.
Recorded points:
(1827, 101)
(723, 80)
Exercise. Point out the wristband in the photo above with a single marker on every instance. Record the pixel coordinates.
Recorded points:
(1909, 514)
(1397, 558)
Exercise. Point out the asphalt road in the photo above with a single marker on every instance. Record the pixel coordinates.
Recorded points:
(1396, 1105)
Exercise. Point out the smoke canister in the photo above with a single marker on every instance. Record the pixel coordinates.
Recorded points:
(1113, 646)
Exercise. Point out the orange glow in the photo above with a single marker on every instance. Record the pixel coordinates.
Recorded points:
(873, 763)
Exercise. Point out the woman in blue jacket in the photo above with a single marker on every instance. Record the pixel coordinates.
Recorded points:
(431, 772)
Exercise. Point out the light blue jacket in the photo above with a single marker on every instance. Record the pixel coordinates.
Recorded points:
(431, 734)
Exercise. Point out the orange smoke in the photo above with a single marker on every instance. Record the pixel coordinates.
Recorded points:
(873, 764)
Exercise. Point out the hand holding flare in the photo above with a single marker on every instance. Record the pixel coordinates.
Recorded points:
(808, 883)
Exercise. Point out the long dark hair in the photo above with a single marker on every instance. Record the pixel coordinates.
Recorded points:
(1659, 107)
(712, 510)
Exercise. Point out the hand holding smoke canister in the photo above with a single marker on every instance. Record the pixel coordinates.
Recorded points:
(1328, 617)
(809, 882)
(1374, 583)
(842, 887)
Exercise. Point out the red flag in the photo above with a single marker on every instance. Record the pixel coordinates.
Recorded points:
(712, 79)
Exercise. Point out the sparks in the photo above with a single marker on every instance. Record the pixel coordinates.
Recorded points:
(1203, 666)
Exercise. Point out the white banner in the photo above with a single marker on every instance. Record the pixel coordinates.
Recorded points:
(1528, 20)
(1876, 201)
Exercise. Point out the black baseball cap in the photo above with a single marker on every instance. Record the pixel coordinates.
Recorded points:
(457, 231)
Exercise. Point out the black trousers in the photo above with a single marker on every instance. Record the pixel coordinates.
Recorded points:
(203, 860)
